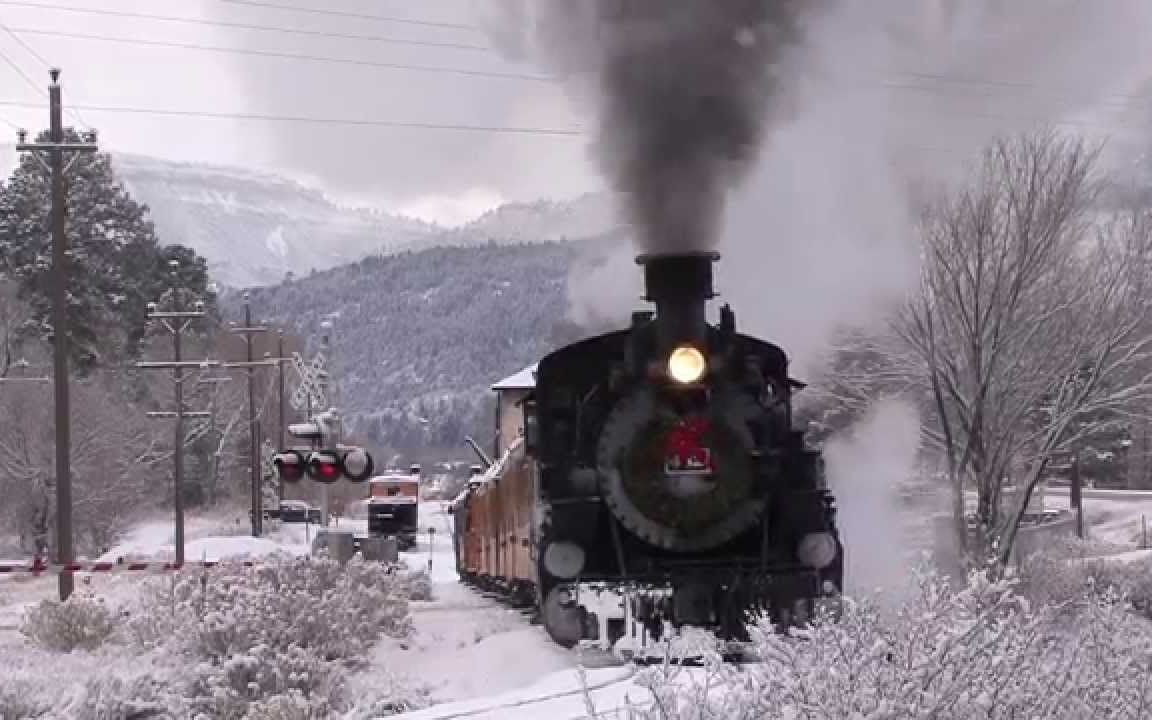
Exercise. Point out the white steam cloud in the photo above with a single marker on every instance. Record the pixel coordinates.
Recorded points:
(885, 99)
(867, 469)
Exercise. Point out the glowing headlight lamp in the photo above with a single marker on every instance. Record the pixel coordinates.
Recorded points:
(686, 364)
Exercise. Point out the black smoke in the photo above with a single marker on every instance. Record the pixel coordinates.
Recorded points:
(685, 89)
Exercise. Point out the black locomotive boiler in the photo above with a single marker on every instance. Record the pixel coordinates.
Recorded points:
(671, 486)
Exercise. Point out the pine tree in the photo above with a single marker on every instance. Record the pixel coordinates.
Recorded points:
(117, 265)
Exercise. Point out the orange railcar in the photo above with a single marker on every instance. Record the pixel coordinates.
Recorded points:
(495, 526)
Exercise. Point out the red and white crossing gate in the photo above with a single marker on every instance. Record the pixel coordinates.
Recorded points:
(37, 568)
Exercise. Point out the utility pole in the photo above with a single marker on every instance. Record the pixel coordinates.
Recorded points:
(328, 386)
(249, 331)
(177, 322)
(280, 360)
(214, 383)
(56, 148)
(281, 427)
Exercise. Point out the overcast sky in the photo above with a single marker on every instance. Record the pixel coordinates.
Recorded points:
(1073, 55)
(444, 174)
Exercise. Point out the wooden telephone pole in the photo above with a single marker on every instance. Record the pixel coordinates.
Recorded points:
(55, 148)
(177, 322)
(249, 364)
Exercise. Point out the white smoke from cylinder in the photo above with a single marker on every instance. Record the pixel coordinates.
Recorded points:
(872, 470)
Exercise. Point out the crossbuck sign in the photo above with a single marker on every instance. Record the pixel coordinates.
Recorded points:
(309, 388)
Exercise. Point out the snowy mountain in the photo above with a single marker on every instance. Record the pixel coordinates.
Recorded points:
(590, 215)
(255, 228)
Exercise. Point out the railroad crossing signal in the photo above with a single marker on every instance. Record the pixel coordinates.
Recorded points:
(310, 388)
(324, 466)
(326, 461)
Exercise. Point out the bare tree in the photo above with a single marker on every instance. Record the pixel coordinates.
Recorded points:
(1031, 316)
(110, 481)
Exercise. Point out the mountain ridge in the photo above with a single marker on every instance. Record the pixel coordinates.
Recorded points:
(256, 227)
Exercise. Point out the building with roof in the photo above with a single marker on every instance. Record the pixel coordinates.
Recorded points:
(510, 392)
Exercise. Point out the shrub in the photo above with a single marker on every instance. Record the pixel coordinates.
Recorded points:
(274, 640)
(22, 700)
(417, 585)
(290, 706)
(384, 695)
(977, 651)
(1066, 570)
(133, 698)
(78, 622)
(265, 680)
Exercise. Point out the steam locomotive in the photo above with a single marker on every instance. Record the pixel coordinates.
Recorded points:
(659, 482)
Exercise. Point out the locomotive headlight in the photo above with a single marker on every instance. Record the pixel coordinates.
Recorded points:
(817, 550)
(686, 364)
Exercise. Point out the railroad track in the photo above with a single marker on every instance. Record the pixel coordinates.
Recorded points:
(497, 708)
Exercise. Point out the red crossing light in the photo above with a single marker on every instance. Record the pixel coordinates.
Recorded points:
(324, 467)
(289, 465)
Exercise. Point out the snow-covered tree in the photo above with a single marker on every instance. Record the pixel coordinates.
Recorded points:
(1032, 318)
(116, 264)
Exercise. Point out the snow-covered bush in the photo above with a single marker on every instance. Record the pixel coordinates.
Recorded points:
(264, 679)
(417, 585)
(116, 698)
(384, 695)
(79, 622)
(293, 705)
(1066, 569)
(274, 640)
(22, 700)
(978, 651)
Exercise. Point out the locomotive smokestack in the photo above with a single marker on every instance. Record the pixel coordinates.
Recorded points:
(680, 285)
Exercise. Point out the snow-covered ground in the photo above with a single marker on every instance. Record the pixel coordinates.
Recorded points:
(471, 656)
(481, 659)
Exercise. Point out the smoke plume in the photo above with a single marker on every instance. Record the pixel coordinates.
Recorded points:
(881, 101)
(682, 91)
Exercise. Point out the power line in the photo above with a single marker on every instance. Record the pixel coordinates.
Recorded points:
(9, 123)
(347, 14)
(288, 56)
(558, 132)
(352, 122)
(20, 71)
(45, 63)
(31, 50)
(245, 26)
